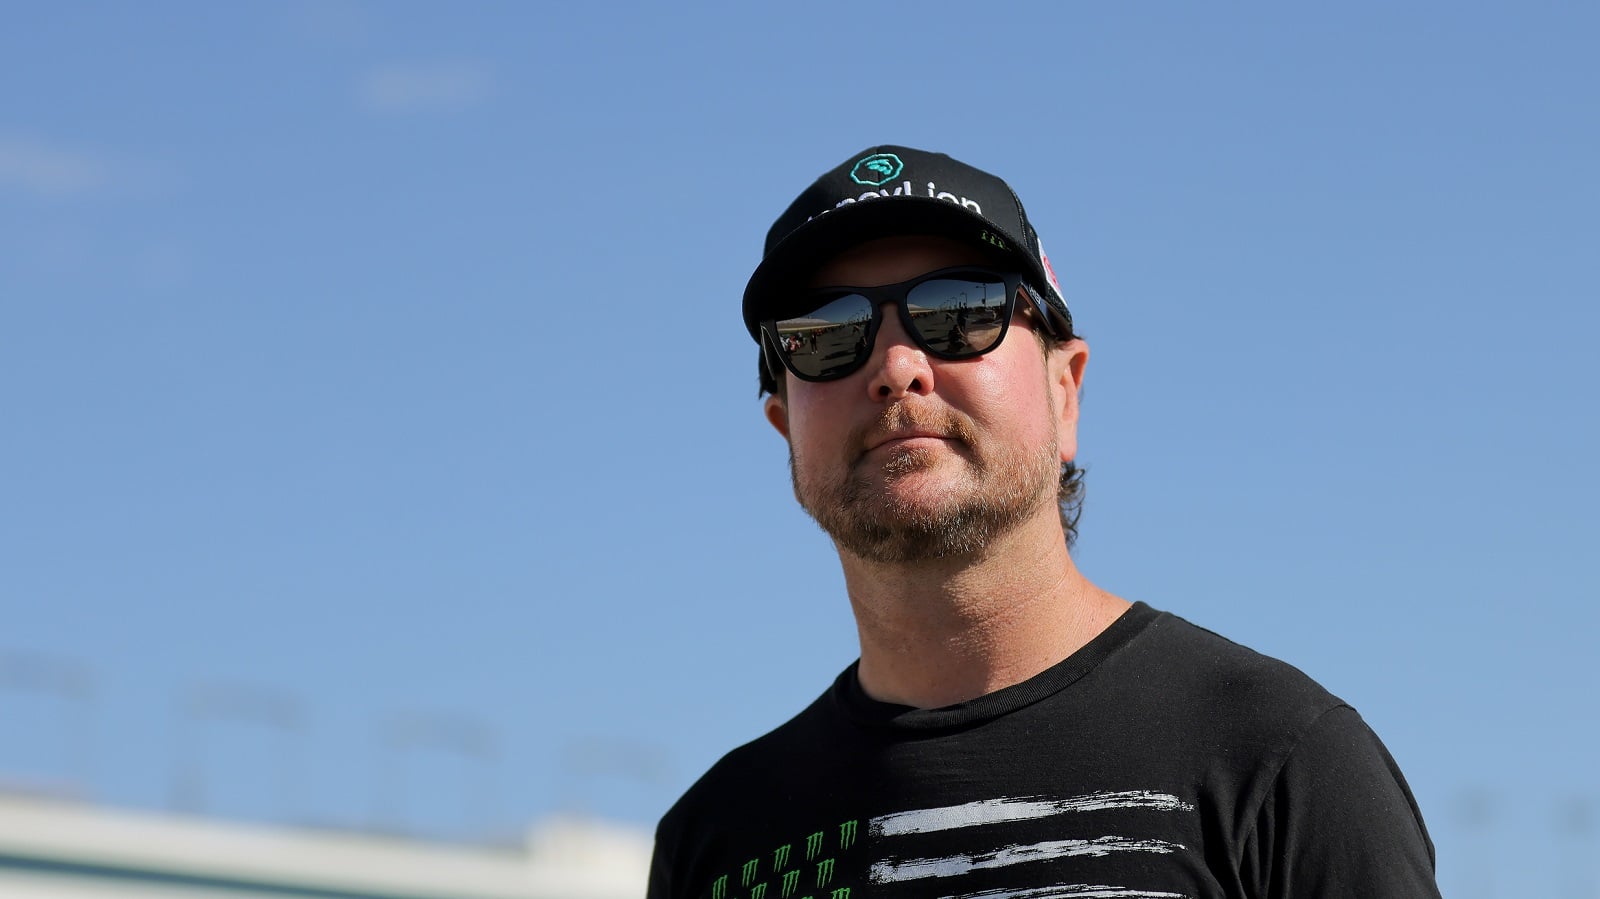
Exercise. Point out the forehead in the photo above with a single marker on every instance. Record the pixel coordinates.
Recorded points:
(890, 260)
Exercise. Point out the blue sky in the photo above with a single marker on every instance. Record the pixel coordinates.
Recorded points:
(375, 364)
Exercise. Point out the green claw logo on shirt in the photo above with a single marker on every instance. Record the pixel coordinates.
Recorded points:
(784, 880)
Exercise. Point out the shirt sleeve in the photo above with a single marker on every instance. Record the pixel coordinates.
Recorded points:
(1339, 821)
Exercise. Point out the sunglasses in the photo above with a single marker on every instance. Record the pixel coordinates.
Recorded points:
(952, 313)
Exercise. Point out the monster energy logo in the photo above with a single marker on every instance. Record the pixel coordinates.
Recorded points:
(840, 893)
(813, 845)
(847, 834)
(790, 881)
(780, 858)
(749, 873)
(760, 892)
(719, 890)
(824, 872)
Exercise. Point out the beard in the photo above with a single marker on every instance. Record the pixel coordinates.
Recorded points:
(999, 489)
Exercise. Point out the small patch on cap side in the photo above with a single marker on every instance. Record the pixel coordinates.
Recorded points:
(1050, 272)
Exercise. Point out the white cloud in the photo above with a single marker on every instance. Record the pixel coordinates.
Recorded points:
(34, 166)
(419, 88)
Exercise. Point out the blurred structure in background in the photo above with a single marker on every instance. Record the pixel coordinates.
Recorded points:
(210, 707)
(1575, 822)
(56, 843)
(63, 691)
(404, 737)
(62, 849)
(1475, 814)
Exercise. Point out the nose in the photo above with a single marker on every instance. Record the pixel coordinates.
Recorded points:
(898, 367)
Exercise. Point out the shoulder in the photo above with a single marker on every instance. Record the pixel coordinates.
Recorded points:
(1231, 682)
(1185, 698)
(1339, 819)
(1310, 795)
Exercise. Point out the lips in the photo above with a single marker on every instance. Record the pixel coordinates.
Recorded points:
(904, 421)
(895, 437)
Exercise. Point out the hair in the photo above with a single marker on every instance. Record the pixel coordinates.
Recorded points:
(1069, 489)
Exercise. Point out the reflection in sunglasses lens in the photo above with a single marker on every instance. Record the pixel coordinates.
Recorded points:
(958, 317)
(828, 340)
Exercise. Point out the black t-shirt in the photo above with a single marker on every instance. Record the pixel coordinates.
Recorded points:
(1159, 761)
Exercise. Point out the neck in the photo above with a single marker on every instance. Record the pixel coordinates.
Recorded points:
(943, 631)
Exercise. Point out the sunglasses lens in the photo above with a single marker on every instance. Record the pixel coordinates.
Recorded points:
(829, 341)
(959, 316)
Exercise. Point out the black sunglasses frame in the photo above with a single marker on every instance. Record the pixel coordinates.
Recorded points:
(899, 294)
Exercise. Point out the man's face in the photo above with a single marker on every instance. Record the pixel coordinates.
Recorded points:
(914, 457)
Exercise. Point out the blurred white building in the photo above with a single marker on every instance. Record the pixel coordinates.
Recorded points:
(58, 849)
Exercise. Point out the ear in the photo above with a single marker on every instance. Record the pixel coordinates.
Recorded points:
(777, 414)
(1064, 366)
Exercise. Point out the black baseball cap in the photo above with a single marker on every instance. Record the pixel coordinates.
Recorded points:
(887, 191)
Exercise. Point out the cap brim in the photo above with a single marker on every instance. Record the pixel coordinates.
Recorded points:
(806, 248)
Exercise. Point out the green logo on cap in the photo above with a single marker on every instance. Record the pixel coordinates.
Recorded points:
(877, 170)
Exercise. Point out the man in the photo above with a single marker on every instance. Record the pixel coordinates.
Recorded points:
(1010, 730)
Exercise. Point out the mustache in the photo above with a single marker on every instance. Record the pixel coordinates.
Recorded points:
(914, 416)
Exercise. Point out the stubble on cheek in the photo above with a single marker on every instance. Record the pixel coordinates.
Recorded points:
(856, 504)
(860, 482)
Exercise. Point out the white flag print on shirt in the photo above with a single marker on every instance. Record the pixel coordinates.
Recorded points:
(1007, 810)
